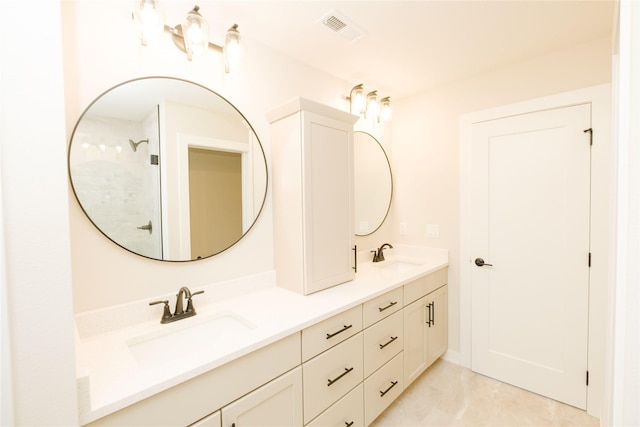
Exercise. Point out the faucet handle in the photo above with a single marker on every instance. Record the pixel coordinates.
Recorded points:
(166, 315)
(190, 303)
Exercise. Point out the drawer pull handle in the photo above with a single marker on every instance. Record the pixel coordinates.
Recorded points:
(388, 342)
(391, 304)
(341, 330)
(349, 424)
(393, 384)
(346, 371)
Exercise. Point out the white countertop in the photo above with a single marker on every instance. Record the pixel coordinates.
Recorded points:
(109, 377)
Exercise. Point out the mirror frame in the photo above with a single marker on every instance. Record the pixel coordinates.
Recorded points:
(386, 214)
(222, 98)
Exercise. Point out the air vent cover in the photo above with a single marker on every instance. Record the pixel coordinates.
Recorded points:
(341, 25)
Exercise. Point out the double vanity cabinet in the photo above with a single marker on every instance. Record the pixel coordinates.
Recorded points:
(325, 347)
(343, 370)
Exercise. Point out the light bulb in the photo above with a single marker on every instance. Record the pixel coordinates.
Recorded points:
(385, 110)
(357, 100)
(372, 104)
(196, 33)
(232, 49)
(150, 20)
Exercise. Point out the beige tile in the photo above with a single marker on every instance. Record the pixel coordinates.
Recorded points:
(450, 395)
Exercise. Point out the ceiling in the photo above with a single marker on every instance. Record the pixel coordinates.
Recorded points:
(411, 46)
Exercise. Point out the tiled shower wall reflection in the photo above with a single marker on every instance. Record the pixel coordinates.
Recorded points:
(117, 187)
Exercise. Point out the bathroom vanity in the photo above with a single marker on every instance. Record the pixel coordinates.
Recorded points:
(326, 341)
(337, 356)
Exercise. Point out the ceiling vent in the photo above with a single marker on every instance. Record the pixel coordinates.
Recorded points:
(341, 25)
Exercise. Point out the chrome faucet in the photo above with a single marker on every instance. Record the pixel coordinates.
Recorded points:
(379, 254)
(179, 312)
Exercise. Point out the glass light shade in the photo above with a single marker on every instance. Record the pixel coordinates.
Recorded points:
(356, 100)
(372, 105)
(232, 49)
(150, 21)
(196, 34)
(385, 109)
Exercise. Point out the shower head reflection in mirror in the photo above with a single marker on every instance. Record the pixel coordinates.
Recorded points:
(191, 136)
(134, 145)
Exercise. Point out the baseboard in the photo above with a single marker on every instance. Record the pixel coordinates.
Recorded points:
(452, 357)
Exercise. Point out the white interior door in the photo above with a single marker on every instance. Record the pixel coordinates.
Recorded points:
(529, 208)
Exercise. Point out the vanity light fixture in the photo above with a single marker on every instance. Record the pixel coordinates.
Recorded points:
(232, 49)
(356, 100)
(372, 105)
(368, 105)
(385, 109)
(191, 37)
(195, 33)
(149, 19)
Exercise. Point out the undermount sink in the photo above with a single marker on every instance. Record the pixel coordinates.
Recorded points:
(209, 335)
(398, 265)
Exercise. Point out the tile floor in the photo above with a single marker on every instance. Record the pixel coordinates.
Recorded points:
(450, 395)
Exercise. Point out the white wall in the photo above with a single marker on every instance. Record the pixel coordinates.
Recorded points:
(36, 219)
(426, 149)
(623, 347)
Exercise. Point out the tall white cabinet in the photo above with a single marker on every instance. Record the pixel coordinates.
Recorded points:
(312, 158)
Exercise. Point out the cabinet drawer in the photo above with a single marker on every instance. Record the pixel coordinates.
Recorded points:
(381, 307)
(382, 341)
(382, 388)
(329, 332)
(424, 285)
(331, 375)
(348, 411)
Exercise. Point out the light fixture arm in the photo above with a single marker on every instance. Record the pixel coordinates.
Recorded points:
(177, 36)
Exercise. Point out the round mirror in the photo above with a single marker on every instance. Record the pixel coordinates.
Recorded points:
(167, 169)
(373, 185)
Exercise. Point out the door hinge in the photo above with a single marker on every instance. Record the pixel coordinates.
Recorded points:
(589, 259)
(590, 130)
(587, 377)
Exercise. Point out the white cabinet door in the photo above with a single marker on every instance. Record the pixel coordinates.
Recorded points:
(437, 330)
(213, 420)
(426, 332)
(312, 195)
(277, 403)
(415, 340)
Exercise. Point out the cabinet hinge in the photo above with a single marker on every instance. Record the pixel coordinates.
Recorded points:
(590, 130)
(587, 377)
(589, 259)
(154, 159)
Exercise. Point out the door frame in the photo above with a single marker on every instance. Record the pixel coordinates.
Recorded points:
(600, 99)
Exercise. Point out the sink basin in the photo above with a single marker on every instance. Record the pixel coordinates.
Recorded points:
(207, 336)
(397, 265)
